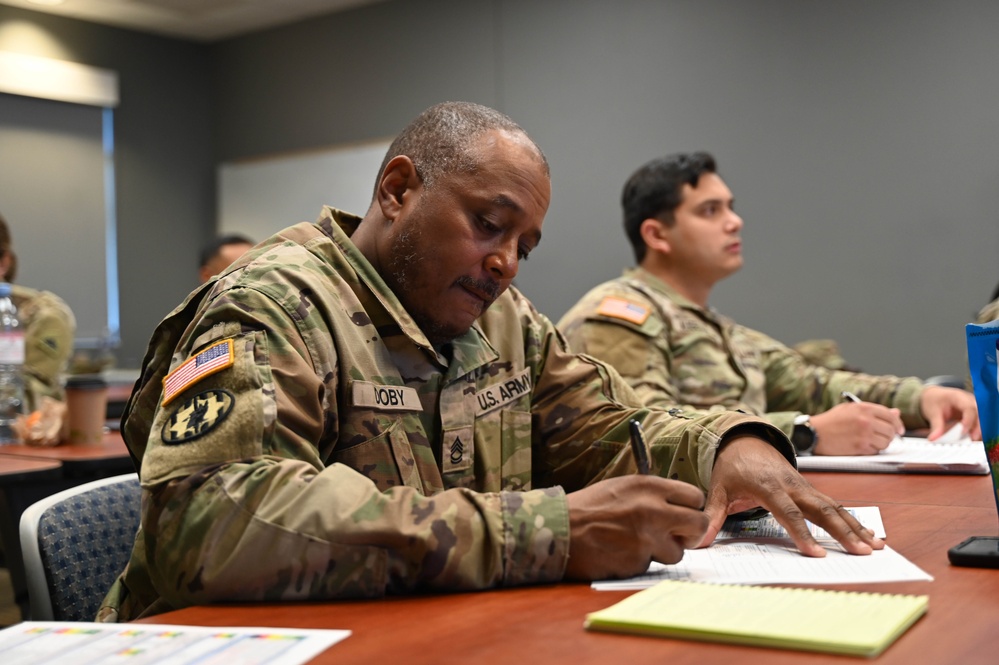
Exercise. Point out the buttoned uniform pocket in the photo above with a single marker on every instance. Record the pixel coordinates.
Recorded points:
(503, 454)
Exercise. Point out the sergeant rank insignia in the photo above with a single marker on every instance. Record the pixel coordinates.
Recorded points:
(197, 415)
(457, 451)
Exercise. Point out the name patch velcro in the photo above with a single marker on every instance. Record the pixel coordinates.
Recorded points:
(386, 398)
(504, 392)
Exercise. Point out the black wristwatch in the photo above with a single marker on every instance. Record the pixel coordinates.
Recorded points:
(803, 437)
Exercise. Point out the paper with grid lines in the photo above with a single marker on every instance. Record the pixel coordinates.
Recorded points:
(57, 642)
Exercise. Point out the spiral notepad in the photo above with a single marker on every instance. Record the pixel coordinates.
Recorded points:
(843, 622)
(909, 455)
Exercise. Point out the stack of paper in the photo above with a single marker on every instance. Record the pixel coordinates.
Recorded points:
(860, 624)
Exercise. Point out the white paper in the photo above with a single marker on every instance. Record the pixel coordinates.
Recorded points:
(760, 552)
(952, 453)
(82, 643)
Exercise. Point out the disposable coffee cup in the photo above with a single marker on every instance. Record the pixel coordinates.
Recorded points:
(86, 409)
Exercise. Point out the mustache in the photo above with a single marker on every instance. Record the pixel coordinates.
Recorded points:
(487, 286)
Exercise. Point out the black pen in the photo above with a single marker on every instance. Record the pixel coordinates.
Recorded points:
(638, 447)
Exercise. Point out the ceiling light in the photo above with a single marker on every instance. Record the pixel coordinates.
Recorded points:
(49, 3)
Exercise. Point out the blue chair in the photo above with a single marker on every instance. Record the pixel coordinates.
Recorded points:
(76, 543)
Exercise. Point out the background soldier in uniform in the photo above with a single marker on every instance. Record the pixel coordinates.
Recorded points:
(49, 327)
(654, 326)
(501, 458)
(219, 253)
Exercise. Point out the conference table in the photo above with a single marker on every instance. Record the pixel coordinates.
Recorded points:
(14, 469)
(88, 461)
(923, 516)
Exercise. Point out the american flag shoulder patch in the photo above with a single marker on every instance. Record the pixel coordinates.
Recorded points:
(215, 358)
(619, 308)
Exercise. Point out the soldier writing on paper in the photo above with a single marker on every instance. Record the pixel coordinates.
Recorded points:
(655, 327)
(363, 406)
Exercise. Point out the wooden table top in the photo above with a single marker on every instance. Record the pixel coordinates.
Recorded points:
(112, 447)
(16, 469)
(923, 517)
(119, 392)
(877, 489)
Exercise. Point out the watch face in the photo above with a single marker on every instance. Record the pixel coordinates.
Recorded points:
(803, 438)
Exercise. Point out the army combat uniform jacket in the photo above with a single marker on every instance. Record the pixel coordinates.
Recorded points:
(676, 353)
(49, 327)
(299, 438)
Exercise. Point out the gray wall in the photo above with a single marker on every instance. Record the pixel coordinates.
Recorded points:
(164, 164)
(860, 139)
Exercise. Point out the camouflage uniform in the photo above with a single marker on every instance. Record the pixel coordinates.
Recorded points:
(824, 352)
(676, 353)
(49, 326)
(329, 451)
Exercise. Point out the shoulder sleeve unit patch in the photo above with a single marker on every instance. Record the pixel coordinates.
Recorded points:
(196, 416)
(215, 358)
(619, 308)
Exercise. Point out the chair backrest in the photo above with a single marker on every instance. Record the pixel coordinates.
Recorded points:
(76, 543)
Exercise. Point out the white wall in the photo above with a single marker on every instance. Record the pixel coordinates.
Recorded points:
(259, 197)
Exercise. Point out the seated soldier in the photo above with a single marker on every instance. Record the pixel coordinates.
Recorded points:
(364, 406)
(655, 327)
(219, 254)
(49, 327)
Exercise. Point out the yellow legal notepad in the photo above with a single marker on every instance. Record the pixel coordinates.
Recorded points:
(845, 622)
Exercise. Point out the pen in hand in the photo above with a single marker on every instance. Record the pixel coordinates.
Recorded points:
(850, 397)
(638, 447)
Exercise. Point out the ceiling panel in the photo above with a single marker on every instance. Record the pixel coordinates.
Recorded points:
(201, 20)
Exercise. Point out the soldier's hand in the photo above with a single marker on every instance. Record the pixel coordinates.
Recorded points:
(856, 428)
(942, 407)
(750, 473)
(618, 526)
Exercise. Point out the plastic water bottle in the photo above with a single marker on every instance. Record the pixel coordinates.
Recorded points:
(11, 366)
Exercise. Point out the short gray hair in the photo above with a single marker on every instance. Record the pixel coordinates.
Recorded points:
(440, 140)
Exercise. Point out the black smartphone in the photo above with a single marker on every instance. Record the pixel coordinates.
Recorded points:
(977, 551)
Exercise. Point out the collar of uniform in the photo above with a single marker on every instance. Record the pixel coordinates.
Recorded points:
(331, 218)
(339, 226)
(469, 351)
(473, 349)
(22, 295)
(645, 278)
